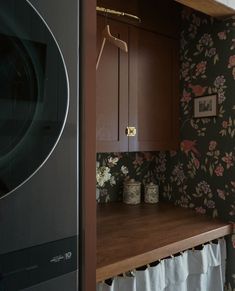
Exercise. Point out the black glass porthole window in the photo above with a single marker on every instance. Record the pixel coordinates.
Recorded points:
(33, 93)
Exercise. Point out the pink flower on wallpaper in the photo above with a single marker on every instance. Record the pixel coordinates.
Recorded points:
(231, 62)
(200, 68)
(189, 146)
(219, 170)
(200, 210)
(204, 187)
(222, 35)
(212, 145)
(228, 159)
(197, 90)
(221, 194)
(186, 97)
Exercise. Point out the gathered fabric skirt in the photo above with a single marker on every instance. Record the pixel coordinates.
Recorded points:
(193, 270)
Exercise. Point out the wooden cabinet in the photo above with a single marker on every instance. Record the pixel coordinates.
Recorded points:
(153, 91)
(111, 91)
(138, 89)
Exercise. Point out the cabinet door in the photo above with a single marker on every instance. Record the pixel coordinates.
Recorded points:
(111, 91)
(154, 96)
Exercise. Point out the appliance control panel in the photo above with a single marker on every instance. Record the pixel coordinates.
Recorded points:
(28, 267)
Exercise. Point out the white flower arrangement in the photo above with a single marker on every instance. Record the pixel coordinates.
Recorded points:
(105, 177)
(102, 175)
(124, 170)
(113, 161)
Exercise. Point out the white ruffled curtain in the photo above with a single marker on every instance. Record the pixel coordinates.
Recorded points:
(193, 270)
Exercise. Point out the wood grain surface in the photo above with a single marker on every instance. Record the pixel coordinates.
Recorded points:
(210, 7)
(132, 236)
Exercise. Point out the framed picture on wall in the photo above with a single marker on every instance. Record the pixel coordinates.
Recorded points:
(205, 106)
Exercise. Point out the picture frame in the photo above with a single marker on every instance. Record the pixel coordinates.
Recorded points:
(205, 106)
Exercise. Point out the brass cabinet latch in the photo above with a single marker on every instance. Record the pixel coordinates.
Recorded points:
(130, 131)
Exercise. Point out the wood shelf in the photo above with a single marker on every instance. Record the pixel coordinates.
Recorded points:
(132, 236)
(218, 9)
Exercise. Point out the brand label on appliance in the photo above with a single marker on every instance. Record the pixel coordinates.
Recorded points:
(65, 257)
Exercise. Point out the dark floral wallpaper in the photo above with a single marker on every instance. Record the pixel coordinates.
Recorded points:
(201, 174)
(113, 169)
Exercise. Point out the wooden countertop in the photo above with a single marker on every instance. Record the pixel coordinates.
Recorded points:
(132, 236)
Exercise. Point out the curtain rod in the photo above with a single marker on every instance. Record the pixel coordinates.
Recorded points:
(117, 13)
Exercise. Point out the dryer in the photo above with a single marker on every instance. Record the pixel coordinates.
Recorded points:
(39, 145)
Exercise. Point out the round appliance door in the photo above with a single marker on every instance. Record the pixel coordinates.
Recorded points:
(33, 93)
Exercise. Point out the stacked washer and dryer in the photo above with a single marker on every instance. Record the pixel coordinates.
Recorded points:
(39, 145)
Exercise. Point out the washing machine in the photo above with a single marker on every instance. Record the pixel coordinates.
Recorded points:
(39, 235)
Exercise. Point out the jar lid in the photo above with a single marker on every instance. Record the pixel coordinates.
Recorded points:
(151, 185)
(132, 182)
